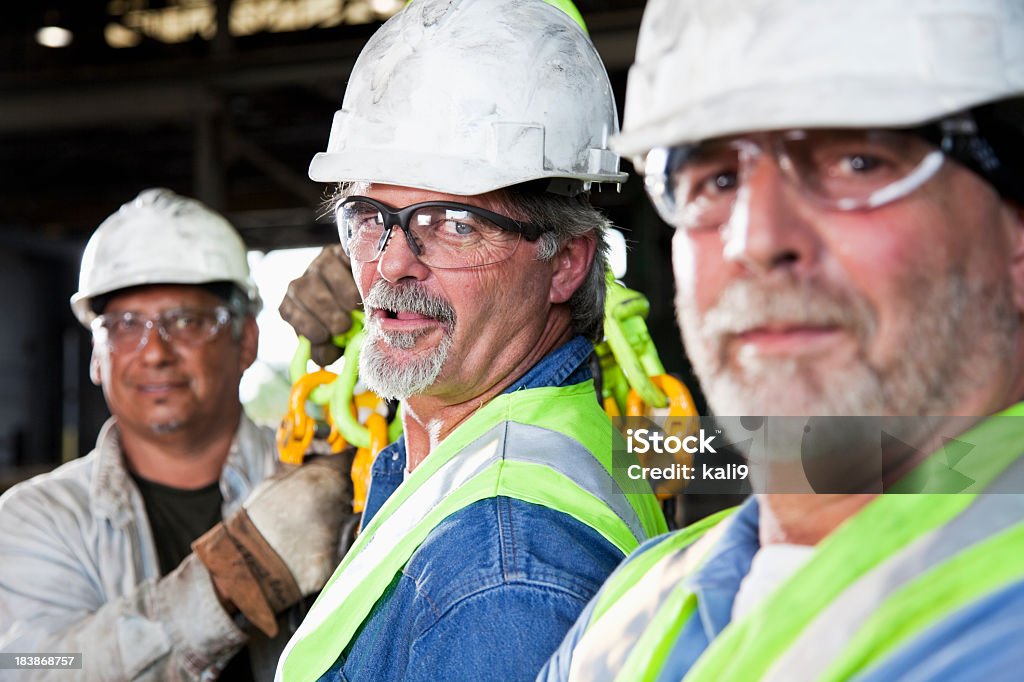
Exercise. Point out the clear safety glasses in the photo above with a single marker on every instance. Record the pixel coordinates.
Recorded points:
(694, 187)
(126, 332)
(442, 234)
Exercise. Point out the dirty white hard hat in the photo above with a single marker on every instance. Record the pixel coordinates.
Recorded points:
(161, 238)
(708, 68)
(469, 96)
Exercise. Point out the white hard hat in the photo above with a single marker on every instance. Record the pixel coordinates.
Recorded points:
(708, 68)
(160, 238)
(469, 96)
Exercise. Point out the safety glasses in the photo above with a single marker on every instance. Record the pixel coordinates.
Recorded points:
(694, 187)
(442, 234)
(126, 332)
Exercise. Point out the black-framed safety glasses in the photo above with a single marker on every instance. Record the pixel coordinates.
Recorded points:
(442, 234)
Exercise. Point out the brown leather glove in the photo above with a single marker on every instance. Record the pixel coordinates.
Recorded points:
(318, 305)
(284, 544)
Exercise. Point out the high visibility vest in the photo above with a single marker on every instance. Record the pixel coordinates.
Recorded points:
(897, 567)
(550, 446)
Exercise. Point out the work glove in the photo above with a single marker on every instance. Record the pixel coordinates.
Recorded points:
(283, 544)
(319, 304)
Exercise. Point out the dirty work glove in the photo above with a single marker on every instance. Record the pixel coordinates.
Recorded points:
(318, 305)
(283, 544)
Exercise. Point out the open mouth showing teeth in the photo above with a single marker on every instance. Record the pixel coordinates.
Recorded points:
(403, 315)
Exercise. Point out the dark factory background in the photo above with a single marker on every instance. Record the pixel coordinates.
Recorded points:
(223, 100)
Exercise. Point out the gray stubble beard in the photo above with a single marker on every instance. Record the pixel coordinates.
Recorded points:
(960, 331)
(163, 428)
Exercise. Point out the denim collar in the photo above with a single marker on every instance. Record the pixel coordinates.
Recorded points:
(718, 580)
(564, 366)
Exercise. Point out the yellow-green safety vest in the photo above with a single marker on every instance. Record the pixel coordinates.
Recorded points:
(550, 446)
(902, 563)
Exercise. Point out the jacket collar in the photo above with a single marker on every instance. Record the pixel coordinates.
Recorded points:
(249, 461)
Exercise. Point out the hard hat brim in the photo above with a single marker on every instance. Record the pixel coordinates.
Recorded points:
(448, 175)
(811, 105)
(81, 302)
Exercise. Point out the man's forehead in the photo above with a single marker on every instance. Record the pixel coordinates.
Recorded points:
(397, 196)
(160, 297)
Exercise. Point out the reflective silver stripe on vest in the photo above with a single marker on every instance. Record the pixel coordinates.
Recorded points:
(499, 442)
(610, 640)
(567, 456)
(825, 638)
(607, 643)
(1011, 481)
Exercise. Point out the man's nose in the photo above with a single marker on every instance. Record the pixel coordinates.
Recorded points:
(397, 260)
(154, 346)
(769, 228)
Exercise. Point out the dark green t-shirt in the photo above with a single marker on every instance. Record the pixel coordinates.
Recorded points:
(177, 517)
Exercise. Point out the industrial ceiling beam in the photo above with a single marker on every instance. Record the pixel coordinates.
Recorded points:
(155, 93)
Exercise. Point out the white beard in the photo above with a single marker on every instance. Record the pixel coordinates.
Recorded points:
(384, 376)
(397, 381)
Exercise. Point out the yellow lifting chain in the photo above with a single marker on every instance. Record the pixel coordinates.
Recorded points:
(634, 380)
(342, 408)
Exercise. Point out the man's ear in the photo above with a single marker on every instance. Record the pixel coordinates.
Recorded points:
(1015, 214)
(571, 265)
(249, 342)
(95, 373)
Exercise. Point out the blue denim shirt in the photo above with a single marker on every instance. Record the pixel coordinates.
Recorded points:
(981, 641)
(492, 590)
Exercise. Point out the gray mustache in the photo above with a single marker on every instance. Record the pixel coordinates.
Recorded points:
(409, 298)
(746, 306)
